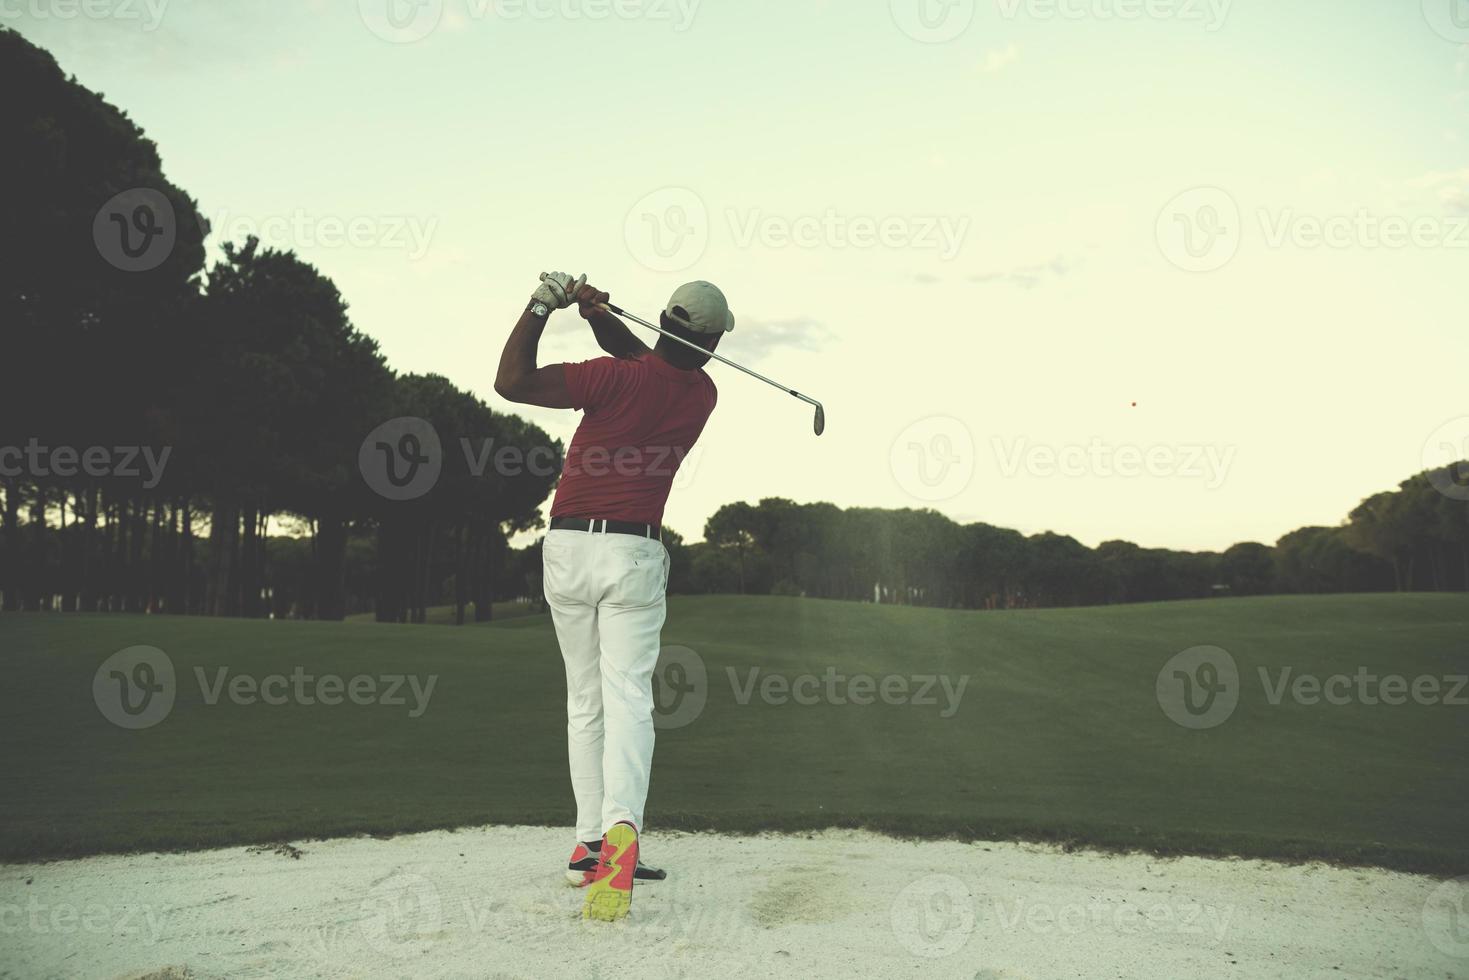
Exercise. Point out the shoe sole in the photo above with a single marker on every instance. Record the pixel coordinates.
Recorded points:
(606, 901)
(581, 879)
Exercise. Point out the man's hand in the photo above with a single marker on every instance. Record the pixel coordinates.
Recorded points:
(589, 299)
(558, 290)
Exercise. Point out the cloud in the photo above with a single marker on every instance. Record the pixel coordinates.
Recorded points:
(162, 38)
(1028, 276)
(756, 338)
(999, 59)
(1436, 178)
(1451, 187)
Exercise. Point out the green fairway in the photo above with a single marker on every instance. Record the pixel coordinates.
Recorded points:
(1058, 734)
(444, 615)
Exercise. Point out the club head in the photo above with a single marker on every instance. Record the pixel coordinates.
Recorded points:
(820, 422)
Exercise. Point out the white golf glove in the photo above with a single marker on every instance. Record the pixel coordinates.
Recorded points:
(558, 290)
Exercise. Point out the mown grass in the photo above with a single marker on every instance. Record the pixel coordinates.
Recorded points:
(444, 615)
(1057, 735)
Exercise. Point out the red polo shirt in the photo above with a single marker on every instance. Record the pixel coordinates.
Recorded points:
(642, 417)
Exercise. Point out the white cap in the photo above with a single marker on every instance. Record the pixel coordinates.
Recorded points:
(702, 307)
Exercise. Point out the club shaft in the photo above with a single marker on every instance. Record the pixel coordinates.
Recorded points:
(619, 311)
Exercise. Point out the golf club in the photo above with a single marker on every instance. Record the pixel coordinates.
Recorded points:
(819, 423)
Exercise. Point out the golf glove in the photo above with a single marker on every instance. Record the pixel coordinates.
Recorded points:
(558, 290)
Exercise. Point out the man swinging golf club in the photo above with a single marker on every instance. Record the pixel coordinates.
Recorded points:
(605, 567)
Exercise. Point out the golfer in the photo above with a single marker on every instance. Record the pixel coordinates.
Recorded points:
(606, 570)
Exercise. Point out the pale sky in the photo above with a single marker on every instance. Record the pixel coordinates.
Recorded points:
(978, 231)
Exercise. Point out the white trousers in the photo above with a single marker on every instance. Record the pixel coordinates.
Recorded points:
(606, 594)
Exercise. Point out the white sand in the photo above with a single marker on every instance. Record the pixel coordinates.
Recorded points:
(490, 902)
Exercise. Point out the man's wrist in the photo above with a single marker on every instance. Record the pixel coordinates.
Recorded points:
(538, 308)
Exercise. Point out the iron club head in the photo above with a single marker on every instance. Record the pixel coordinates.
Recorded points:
(820, 423)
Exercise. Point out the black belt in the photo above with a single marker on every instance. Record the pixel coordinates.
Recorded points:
(605, 527)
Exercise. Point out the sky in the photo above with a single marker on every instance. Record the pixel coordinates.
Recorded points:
(1183, 272)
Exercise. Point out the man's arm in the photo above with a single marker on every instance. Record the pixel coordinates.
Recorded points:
(613, 336)
(519, 380)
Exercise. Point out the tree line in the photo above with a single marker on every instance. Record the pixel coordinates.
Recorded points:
(158, 418)
(1413, 538)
